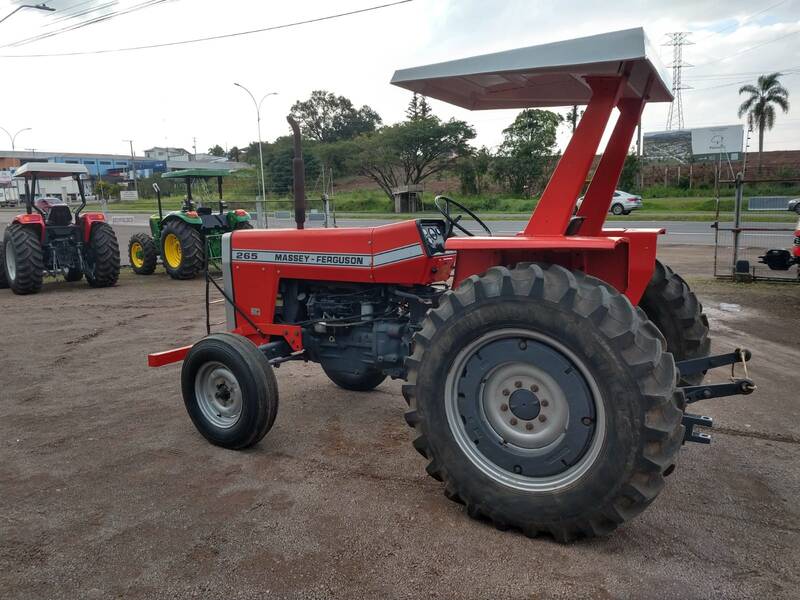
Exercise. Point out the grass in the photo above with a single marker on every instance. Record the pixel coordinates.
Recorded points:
(374, 204)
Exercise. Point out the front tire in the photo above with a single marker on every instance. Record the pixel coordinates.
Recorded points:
(673, 307)
(101, 256)
(229, 390)
(360, 381)
(3, 280)
(182, 250)
(23, 260)
(142, 254)
(544, 401)
(73, 275)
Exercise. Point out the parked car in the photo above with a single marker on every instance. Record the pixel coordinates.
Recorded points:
(622, 203)
(794, 205)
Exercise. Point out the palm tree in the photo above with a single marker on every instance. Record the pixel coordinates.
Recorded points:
(759, 106)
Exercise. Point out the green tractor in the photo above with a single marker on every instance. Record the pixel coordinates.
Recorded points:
(186, 238)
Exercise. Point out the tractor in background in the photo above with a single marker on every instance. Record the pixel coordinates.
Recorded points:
(188, 238)
(547, 373)
(50, 240)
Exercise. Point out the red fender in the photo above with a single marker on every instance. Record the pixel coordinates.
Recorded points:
(33, 219)
(87, 222)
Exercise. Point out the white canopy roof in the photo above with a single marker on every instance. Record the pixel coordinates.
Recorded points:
(48, 169)
(546, 75)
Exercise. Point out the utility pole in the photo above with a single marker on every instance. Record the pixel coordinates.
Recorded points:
(133, 165)
(194, 147)
(677, 40)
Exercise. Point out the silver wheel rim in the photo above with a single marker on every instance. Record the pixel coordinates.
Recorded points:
(218, 394)
(11, 261)
(506, 377)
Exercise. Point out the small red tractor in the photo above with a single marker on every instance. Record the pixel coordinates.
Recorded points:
(546, 373)
(50, 240)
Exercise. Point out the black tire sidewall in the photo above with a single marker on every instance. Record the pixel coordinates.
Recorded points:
(623, 412)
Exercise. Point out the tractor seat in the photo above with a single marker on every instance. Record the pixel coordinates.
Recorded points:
(59, 215)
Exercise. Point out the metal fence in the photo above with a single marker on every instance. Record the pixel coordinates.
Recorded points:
(758, 224)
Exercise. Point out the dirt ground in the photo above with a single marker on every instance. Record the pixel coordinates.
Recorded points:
(107, 490)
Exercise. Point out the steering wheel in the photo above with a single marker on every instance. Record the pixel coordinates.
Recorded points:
(443, 203)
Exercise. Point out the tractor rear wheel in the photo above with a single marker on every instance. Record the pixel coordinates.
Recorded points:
(23, 259)
(361, 381)
(182, 250)
(229, 390)
(101, 256)
(673, 307)
(544, 401)
(142, 254)
(3, 280)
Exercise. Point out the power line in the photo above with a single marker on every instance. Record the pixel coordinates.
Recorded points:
(740, 23)
(677, 40)
(777, 39)
(212, 37)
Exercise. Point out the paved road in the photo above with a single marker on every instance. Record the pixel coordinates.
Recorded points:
(696, 233)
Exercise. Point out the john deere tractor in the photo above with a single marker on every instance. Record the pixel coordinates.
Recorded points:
(186, 238)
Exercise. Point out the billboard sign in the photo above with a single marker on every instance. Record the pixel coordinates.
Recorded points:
(702, 143)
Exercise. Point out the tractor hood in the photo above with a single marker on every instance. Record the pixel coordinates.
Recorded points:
(547, 75)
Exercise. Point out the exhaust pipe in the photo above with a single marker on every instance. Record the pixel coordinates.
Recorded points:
(299, 174)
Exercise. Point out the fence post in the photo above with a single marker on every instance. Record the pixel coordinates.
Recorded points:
(737, 219)
(260, 221)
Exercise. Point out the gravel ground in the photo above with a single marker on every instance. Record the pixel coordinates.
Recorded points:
(108, 491)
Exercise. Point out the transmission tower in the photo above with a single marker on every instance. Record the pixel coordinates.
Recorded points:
(677, 40)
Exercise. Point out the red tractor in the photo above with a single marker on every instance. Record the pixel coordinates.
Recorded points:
(541, 369)
(50, 240)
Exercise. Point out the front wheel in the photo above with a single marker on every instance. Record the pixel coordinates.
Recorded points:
(142, 254)
(544, 401)
(617, 209)
(229, 390)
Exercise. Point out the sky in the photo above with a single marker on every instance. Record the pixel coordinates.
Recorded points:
(172, 95)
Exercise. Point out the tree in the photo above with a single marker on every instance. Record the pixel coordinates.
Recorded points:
(407, 153)
(628, 179)
(216, 150)
(325, 117)
(760, 105)
(418, 108)
(528, 149)
(472, 169)
(234, 153)
(573, 116)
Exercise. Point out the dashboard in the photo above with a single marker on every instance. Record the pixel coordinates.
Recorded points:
(432, 233)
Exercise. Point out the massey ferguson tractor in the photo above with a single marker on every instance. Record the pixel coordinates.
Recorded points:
(546, 373)
(50, 240)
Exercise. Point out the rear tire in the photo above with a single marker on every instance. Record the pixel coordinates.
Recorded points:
(362, 381)
(142, 254)
(73, 275)
(617, 209)
(229, 390)
(23, 260)
(673, 307)
(606, 389)
(182, 250)
(3, 280)
(101, 256)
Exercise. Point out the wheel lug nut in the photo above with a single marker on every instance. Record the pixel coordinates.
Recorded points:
(534, 388)
(504, 407)
(528, 426)
(506, 393)
(544, 402)
(517, 384)
(523, 345)
(586, 421)
(542, 418)
(513, 421)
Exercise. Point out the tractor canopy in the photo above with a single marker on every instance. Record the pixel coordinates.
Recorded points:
(197, 173)
(552, 74)
(46, 170)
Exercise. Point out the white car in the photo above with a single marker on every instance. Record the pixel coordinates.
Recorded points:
(622, 203)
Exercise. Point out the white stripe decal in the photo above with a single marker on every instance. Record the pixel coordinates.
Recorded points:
(328, 259)
(396, 255)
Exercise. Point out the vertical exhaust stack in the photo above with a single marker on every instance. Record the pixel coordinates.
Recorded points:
(299, 174)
